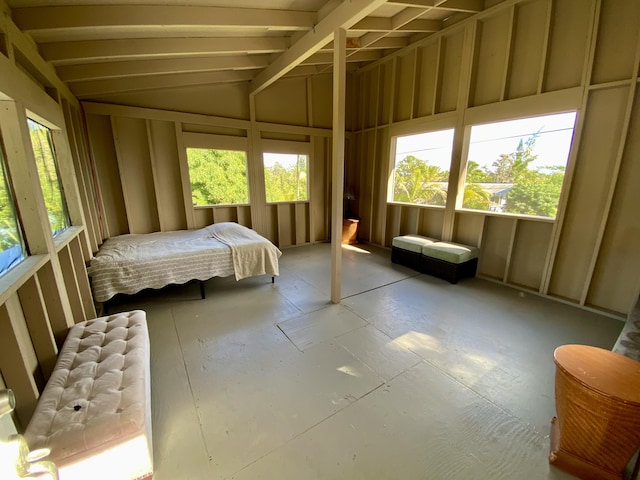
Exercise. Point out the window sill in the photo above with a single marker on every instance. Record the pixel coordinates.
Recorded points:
(64, 238)
(12, 280)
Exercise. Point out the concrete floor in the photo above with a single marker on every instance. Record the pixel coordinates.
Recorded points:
(409, 377)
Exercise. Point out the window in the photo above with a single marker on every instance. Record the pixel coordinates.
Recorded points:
(49, 176)
(422, 165)
(218, 177)
(12, 249)
(518, 166)
(285, 177)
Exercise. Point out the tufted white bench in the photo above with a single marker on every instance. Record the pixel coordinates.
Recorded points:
(95, 411)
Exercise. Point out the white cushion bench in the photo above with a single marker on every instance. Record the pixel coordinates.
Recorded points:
(94, 414)
(447, 260)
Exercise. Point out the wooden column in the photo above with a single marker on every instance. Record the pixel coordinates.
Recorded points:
(337, 159)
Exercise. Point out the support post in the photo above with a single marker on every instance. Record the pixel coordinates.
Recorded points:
(337, 160)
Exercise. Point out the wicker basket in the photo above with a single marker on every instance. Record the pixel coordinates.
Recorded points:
(597, 429)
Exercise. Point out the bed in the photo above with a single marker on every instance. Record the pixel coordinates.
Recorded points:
(133, 262)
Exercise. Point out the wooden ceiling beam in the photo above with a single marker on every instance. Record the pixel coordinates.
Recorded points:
(96, 88)
(98, 71)
(387, 25)
(345, 15)
(469, 6)
(95, 16)
(326, 58)
(91, 51)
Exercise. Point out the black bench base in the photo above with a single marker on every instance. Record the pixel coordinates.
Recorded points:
(452, 272)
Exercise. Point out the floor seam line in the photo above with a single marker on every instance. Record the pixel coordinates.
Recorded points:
(193, 398)
(305, 431)
(379, 287)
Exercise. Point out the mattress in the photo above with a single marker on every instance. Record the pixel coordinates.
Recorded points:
(133, 262)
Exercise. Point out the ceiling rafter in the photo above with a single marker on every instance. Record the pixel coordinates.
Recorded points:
(96, 88)
(383, 24)
(96, 16)
(65, 53)
(95, 71)
(344, 15)
(468, 6)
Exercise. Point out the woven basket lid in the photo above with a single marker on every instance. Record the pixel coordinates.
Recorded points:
(603, 371)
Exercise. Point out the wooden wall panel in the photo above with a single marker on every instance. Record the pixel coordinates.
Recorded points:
(409, 219)
(529, 254)
(404, 86)
(616, 278)
(468, 228)
(18, 361)
(426, 79)
(600, 139)
(302, 223)
(202, 217)
(385, 91)
(225, 214)
(528, 48)
(449, 72)
(371, 111)
(136, 175)
(318, 190)
(283, 102)
(104, 155)
(286, 215)
(491, 56)
(618, 29)
(382, 170)
(430, 222)
(495, 246)
(365, 197)
(570, 27)
(230, 101)
(166, 168)
(322, 110)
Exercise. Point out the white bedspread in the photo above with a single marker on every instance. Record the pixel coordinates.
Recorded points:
(252, 254)
(130, 263)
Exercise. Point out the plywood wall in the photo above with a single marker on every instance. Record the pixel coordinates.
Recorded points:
(519, 59)
(140, 156)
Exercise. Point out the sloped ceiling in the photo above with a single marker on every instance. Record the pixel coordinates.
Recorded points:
(101, 47)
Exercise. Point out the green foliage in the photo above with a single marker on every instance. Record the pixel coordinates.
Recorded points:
(218, 177)
(287, 183)
(9, 233)
(530, 191)
(48, 174)
(536, 193)
(418, 182)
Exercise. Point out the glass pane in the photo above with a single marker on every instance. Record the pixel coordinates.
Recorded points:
(49, 177)
(518, 166)
(422, 168)
(218, 177)
(285, 177)
(12, 249)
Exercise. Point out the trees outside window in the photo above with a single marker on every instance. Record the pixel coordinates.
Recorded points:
(48, 173)
(286, 177)
(218, 177)
(518, 166)
(12, 248)
(422, 163)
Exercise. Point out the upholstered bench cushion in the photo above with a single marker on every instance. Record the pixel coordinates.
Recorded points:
(450, 252)
(413, 243)
(97, 401)
(628, 343)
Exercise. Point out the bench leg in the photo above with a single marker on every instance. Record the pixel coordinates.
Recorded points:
(273, 279)
(202, 293)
